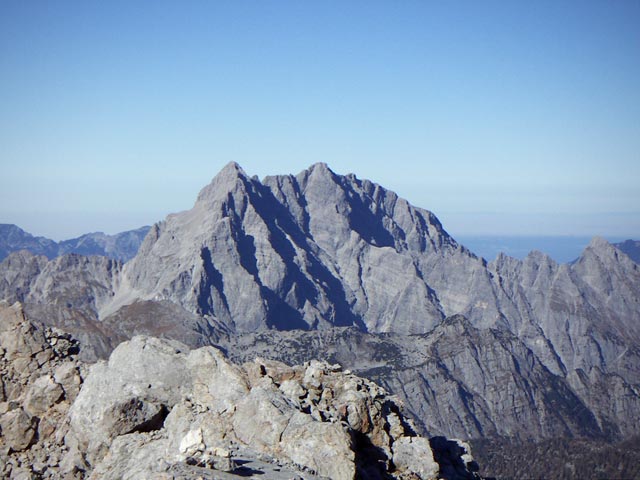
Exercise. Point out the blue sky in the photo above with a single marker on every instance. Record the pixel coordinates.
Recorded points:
(513, 118)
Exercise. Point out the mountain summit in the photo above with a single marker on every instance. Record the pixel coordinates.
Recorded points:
(319, 250)
(307, 251)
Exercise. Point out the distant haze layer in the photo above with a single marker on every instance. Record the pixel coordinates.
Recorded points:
(562, 249)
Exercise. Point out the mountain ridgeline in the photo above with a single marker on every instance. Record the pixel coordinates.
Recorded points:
(121, 246)
(631, 248)
(321, 265)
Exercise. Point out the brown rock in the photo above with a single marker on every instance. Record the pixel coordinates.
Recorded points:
(18, 429)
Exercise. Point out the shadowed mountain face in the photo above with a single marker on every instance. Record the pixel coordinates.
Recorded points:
(631, 248)
(525, 349)
(453, 379)
(13, 238)
(122, 246)
(309, 251)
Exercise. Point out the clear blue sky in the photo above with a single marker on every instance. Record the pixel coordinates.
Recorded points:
(511, 117)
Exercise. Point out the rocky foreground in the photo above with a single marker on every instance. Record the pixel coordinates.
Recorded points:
(159, 410)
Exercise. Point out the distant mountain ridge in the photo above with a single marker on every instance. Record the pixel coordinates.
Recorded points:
(631, 248)
(563, 249)
(121, 246)
(124, 246)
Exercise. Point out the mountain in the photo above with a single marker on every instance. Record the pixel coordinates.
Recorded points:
(631, 248)
(13, 238)
(327, 266)
(121, 246)
(321, 250)
(67, 292)
(452, 379)
(305, 252)
(563, 249)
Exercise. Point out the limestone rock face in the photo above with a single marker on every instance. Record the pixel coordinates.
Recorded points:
(68, 291)
(585, 313)
(39, 379)
(196, 408)
(303, 252)
(64, 293)
(156, 409)
(414, 454)
(461, 381)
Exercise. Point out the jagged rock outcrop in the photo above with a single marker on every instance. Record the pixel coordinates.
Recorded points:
(159, 410)
(121, 246)
(39, 379)
(65, 293)
(198, 404)
(588, 310)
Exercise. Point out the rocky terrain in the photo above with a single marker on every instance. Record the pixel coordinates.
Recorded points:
(453, 379)
(66, 293)
(182, 414)
(329, 267)
(560, 458)
(121, 246)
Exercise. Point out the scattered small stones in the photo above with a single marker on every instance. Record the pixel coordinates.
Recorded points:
(158, 410)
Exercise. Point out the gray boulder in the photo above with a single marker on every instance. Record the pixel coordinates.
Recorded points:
(314, 419)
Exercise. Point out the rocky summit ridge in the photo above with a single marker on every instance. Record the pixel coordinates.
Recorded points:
(306, 251)
(157, 409)
(325, 266)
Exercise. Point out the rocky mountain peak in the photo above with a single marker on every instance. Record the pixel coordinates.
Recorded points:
(599, 244)
(298, 252)
(230, 179)
(601, 251)
(319, 169)
(537, 259)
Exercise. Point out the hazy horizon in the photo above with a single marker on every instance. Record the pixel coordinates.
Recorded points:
(65, 225)
(502, 118)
